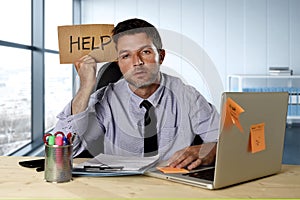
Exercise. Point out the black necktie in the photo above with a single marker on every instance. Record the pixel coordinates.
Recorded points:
(150, 134)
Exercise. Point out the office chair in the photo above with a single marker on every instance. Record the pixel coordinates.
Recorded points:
(108, 73)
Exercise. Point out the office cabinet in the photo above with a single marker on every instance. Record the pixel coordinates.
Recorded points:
(267, 83)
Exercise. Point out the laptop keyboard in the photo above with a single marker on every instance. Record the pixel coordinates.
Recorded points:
(207, 174)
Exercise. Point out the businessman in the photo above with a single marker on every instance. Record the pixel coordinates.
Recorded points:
(146, 112)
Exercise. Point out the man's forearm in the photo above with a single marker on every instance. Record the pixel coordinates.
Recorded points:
(86, 68)
(80, 101)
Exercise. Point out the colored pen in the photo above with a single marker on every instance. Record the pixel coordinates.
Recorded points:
(59, 140)
(51, 140)
(45, 138)
(59, 133)
(65, 141)
(69, 137)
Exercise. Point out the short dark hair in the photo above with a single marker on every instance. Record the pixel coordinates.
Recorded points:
(135, 25)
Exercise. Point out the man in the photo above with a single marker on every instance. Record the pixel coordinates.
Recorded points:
(173, 112)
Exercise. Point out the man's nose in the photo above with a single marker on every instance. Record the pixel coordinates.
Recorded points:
(137, 60)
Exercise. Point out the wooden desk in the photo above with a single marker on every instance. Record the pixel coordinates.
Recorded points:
(19, 182)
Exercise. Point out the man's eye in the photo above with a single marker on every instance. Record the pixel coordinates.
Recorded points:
(124, 56)
(146, 52)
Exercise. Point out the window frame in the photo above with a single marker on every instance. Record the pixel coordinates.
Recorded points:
(38, 51)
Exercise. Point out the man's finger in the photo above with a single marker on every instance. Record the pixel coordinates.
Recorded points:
(194, 164)
(178, 157)
(175, 160)
(186, 161)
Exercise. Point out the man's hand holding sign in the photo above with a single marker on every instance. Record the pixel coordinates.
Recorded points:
(85, 45)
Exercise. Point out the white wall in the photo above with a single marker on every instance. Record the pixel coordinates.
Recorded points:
(239, 36)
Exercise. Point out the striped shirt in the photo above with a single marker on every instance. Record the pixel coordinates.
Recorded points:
(114, 114)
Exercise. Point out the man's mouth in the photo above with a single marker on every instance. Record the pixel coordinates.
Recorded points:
(140, 73)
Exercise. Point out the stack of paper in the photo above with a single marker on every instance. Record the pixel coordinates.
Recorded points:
(112, 165)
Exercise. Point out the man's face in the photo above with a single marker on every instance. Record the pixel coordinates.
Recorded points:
(138, 59)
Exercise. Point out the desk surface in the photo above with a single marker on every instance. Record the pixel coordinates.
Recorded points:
(19, 182)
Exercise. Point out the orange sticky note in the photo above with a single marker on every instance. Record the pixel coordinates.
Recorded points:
(167, 170)
(257, 137)
(231, 114)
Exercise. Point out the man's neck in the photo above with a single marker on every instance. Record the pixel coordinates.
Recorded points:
(146, 91)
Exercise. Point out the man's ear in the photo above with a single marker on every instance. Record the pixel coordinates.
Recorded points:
(162, 54)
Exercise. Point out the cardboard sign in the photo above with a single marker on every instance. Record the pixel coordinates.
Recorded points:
(78, 40)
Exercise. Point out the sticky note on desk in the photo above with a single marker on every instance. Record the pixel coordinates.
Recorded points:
(169, 170)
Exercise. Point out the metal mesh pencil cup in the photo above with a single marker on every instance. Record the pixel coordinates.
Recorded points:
(58, 163)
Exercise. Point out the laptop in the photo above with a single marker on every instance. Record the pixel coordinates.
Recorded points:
(236, 160)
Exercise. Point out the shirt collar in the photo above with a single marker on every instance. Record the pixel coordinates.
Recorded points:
(154, 99)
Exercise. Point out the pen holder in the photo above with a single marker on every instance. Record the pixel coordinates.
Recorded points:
(58, 163)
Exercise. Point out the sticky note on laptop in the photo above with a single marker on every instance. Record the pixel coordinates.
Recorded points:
(169, 170)
(257, 137)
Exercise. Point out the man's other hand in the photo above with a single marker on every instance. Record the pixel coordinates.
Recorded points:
(193, 156)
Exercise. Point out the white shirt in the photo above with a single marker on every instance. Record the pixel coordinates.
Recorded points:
(114, 113)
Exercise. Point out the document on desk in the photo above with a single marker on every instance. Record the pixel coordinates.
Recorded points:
(112, 165)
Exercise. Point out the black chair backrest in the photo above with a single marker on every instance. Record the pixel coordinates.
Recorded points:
(108, 73)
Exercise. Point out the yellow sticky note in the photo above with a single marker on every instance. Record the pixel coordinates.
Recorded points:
(231, 115)
(167, 170)
(257, 137)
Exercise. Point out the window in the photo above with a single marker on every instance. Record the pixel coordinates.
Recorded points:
(58, 88)
(58, 77)
(57, 13)
(15, 75)
(15, 98)
(34, 87)
(16, 21)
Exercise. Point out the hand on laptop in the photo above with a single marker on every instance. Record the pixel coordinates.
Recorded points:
(193, 156)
